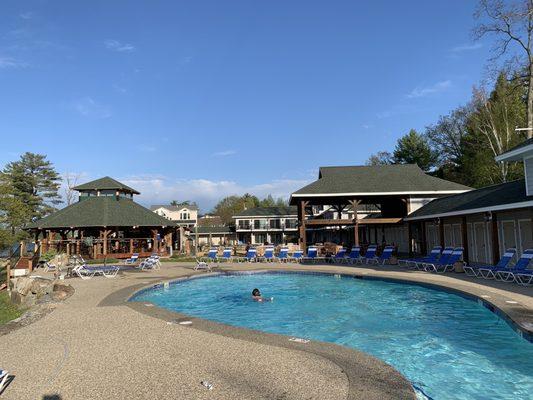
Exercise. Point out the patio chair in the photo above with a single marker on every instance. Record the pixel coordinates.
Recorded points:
(488, 270)
(83, 272)
(444, 256)
(283, 255)
(48, 266)
(297, 256)
(385, 256)
(443, 265)
(312, 255)
(268, 256)
(353, 257)
(4, 377)
(226, 255)
(108, 271)
(339, 257)
(432, 257)
(202, 265)
(157, 261)
(370, 254)
(133, 259)
(148, 263)
(251, 255)
(520, 268)
(212, 254)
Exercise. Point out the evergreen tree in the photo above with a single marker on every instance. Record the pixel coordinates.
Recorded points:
(414, 148)
(33, 182)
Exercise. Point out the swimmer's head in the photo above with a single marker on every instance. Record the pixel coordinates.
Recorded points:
(256, 292)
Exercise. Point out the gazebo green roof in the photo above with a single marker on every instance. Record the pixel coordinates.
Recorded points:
(363, 180)
(101, 211)
(105, 183)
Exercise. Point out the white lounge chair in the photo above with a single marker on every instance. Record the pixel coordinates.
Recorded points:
(4, 376)
(202, 265)
(48, 266)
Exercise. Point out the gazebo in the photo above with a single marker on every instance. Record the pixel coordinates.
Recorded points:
(105, 222)
(369, 203)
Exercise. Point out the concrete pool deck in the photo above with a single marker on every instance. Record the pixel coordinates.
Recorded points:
(96, 346)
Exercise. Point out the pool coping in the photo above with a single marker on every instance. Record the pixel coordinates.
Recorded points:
(368, 377)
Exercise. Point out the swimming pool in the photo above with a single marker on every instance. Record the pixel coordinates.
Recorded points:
(448, 346)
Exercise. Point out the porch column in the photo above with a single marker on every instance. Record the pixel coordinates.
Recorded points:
(154, 238)
(441, 232)
(355, 206)
(495, 239)
(131, 246)
(424, 244)
(104, 237)
(410, 238)
(464, 234)
(301, 219)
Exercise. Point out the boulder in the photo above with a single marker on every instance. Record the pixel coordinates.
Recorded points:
(31, 290)
(61, 291)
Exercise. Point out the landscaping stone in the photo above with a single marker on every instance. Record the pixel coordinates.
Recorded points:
(28, 291)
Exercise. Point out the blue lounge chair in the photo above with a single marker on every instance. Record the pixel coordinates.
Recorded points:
(488, 270)
(432, 257)
(268, 256)
(445, 263)
(133, 259)
(370, 254)
(283, 255)
(444, 256)
(339, 257)
(226, 255)
(296, 256)
(212, 254)
(251, 255)
(312, 254)
(354, 256)
(384, 257)
(520, 268)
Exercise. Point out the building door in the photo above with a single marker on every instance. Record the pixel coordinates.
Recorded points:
(480, 240)
(448, 236)
(508, 235)
(526, 239)
(457, 236)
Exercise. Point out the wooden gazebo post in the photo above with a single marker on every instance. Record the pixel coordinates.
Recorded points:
(355, 206)
(301, 220)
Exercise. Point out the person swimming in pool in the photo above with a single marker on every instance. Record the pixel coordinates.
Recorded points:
(256, 296)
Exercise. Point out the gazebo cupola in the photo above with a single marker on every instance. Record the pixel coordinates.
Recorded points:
(105, 186)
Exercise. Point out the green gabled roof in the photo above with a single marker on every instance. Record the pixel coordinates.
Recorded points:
(377, 180)
(105, 183)
(267, 211)
(206, 230)
(101, 211)
(490, 198)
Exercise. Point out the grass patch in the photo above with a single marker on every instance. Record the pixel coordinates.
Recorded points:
(180, 258)
(8, 311)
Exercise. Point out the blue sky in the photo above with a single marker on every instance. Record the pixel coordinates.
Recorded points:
(198, 100)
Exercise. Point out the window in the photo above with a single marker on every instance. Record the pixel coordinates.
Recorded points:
(291, 223)
(275, 224)
(260, 224)
(243, 224)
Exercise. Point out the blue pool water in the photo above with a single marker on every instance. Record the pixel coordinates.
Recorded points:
(448, 346)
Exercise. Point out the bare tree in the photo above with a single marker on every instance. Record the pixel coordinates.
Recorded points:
(513, 25)
(71, 181)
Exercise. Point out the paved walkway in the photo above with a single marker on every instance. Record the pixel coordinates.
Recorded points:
(93, 348)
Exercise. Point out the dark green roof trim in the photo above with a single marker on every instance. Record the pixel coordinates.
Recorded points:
(268, 212)
(365, 180)
(105, 183)
(505, 196)
(99, 212)
(213, 230)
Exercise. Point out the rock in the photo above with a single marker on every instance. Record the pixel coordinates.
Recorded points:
(62, 291)
(28, 291)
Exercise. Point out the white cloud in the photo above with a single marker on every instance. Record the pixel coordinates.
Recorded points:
(428, 90)
(146, 148)
(9, 62)
(27, 15)
(160, 189)
(88, 107)
(115, 45)
(119, 88)
(467, 47)
(224, 153)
